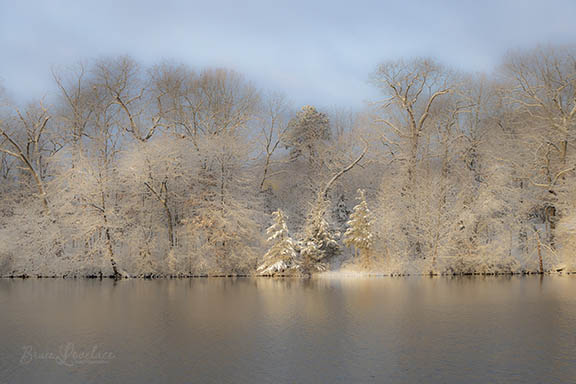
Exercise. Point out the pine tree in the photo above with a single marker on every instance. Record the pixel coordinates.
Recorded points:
(319, 242)
(359, 233)
(280, 257)
(305, 131)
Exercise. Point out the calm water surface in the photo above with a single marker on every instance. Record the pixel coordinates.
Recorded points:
(382, 330)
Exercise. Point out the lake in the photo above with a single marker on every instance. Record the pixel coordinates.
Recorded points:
(333, 330)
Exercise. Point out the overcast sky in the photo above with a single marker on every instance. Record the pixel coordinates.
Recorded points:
(317, 52)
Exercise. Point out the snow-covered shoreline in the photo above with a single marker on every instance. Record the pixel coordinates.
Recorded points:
(320, 275)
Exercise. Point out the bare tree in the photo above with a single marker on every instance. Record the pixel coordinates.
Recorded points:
(25, 140)
(273, 130)
(543, 89)
(412, 88)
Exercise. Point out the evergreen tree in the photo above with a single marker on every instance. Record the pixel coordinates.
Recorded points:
(280, 257)
(359, 233)
(305, 131)
(320, 242)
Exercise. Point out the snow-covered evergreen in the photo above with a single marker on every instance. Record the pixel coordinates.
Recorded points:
(320, 241)
(282, 254)
(360, 233)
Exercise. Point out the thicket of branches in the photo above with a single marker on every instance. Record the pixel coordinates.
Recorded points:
(172, 171)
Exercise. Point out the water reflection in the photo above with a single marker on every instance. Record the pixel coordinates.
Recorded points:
(477, 329)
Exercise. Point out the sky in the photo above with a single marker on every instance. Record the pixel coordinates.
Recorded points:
(316, 52)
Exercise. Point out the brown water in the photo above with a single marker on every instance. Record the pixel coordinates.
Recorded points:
(384, 330)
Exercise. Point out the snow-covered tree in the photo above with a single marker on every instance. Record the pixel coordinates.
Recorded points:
(359, 233)
(282, 253)
(224, 228)
(320, 241)
(306, 131)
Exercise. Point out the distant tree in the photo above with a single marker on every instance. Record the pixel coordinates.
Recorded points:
(282, 254)
(305, 132)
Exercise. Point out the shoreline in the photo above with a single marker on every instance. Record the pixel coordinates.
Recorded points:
(324, 275)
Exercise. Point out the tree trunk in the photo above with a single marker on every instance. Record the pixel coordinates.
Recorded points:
(170, 225)
(115, 273)
(540, 257)
(266, 165)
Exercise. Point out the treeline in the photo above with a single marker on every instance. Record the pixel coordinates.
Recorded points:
(171, 171)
